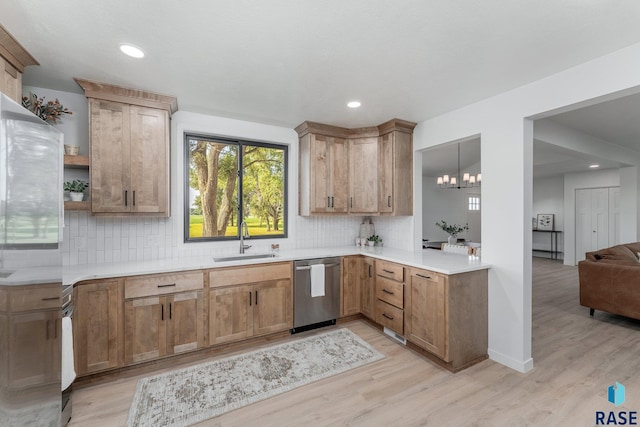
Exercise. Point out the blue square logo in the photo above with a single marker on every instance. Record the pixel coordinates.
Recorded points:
(616, 394)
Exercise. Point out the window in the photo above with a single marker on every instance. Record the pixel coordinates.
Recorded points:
(228, 181)
(474, 203)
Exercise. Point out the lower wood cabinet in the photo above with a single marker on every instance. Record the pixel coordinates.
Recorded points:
(249, 301)
(368, 288)
(350, 286)
(447, 315)
(97, 326)
(162, 325)
(163, 315)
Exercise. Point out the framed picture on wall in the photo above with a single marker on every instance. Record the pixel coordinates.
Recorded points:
(545, 222)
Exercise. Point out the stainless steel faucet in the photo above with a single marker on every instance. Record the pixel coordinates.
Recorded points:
(244, 234)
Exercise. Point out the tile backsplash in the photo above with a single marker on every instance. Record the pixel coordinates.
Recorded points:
(90, 240)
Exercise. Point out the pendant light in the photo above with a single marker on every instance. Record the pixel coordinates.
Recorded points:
(468, 180)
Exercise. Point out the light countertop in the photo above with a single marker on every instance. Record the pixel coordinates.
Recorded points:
(433, 260)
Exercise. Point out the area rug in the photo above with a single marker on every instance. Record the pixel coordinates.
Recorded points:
(187, 396)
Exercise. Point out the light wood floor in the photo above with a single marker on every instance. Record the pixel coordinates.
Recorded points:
(575, 359)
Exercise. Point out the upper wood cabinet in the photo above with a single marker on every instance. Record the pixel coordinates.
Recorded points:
(13, 59)
(129, 133)
(364, 171)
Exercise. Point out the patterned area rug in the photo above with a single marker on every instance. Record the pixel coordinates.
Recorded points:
(191, 395)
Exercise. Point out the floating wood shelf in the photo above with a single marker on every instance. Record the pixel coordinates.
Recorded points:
(77, 206)
(79, 162)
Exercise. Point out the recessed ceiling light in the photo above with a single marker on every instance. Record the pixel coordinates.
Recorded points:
(131, 50)
(594, 166)
(353, 104)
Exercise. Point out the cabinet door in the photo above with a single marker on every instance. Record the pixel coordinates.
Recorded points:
(367, 288)
(230, 313)
(351, 278)
(186, 323)
(320, 176)
(149, 160)
(34, 349)
(145, 329)
(272, 310)
(363, 175)
(10, 81)
(425, 313)
(339, 175)
(96, 320)
(110, 155)
(385, 173)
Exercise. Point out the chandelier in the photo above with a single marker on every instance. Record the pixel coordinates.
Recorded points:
(468, 180)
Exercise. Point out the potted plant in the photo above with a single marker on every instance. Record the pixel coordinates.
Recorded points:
(373, 240)
(452, 230)
(76, 189)
(50, 111)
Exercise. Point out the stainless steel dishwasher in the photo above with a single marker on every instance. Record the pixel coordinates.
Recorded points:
(312, 312)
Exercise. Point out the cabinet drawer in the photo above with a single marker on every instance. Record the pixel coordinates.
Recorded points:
(390, 316)
(159, 284)
(390, 270)
(249, 274)
(35, 297)
(390, 291)
(429, 276)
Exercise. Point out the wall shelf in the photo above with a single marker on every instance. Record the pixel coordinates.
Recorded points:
(76, 162)
(77, 206)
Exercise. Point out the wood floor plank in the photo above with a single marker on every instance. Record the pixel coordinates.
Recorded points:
(575, 359)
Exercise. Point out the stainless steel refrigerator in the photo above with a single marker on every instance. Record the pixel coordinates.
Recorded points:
(30, 268)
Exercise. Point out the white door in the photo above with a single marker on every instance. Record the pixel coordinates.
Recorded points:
(597, 219)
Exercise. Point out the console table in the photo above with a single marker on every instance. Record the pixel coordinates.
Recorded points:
(553, 241)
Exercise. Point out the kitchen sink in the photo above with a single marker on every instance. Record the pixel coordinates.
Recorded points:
(242, 257)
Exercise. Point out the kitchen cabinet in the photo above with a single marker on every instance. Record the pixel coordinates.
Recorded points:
(129, 139)
(395, 170)
(13, 59)
(163, 315)
(363, 175)
(324, 163)
(368, 288)
(30, 323)
(447, 315)
(97, 326)
(249, 301)
(389, 294)
(363, 171)
(77, 162)
(351, 282)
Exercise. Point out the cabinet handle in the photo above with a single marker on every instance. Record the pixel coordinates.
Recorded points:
(387, 316)
(170, 315)
(249, 298)
(126, 198)
(50, 299)
(388, 271)
(387, 291)
(162, 312)
(369, 270)
(423, 276)
(332, 205)
(134, 197)
(167, 286)
(256, 297)
(389, 201)
(351, 202)
(328, 201)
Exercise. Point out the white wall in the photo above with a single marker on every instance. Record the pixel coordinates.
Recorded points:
(548, 198)
(504, 123)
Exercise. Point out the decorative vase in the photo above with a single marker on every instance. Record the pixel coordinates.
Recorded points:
(371, 243)
(452, 240)
(71, 150)
(76, 197)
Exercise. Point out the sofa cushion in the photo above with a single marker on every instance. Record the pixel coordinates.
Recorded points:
(619, 252)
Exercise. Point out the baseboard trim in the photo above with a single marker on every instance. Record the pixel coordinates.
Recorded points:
(520, 366)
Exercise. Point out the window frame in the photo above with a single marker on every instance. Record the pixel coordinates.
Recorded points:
(239, 143)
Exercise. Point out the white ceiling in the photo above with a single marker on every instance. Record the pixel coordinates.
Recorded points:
(283, 62)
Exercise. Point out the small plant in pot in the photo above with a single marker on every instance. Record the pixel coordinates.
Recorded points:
(76, 189)
(373, 240)
(452, 230)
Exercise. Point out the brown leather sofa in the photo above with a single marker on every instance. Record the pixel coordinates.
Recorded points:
(610, 280)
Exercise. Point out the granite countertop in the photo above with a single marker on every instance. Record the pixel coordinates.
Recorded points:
(437, 261)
